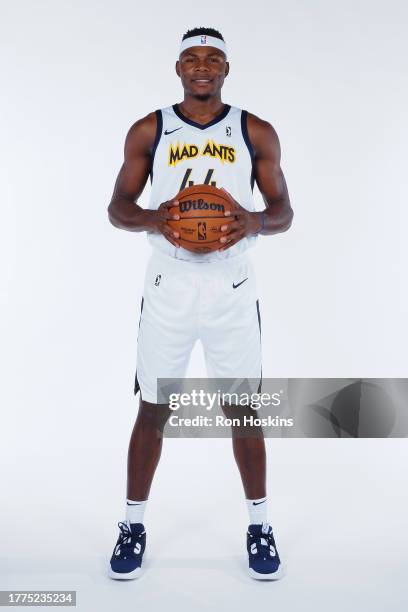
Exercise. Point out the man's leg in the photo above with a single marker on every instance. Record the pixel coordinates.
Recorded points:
(231, 334)
(166, 336)
(249, 451)
(250, 456)
(145, 448)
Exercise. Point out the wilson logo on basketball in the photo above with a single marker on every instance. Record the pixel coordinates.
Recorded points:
(200, 204)
(181, 151)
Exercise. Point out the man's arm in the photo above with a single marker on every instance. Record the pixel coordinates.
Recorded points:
(123, 210)
(269, 176)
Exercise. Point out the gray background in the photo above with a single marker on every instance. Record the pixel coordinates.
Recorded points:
(332, 79)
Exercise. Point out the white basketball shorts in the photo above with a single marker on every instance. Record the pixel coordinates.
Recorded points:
(215, 302)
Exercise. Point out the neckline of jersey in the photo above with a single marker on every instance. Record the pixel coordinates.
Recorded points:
(202, 126)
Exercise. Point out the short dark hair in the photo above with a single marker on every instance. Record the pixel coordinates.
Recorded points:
(206, 31)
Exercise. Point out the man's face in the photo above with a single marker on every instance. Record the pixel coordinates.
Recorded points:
(202, 71)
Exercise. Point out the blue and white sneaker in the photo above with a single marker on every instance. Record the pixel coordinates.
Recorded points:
(264, 561)
(126, 561)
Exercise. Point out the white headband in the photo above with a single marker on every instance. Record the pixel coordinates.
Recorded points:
(202, 40)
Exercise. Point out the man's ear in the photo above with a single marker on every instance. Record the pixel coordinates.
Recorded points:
(178, 68)
(226, 68)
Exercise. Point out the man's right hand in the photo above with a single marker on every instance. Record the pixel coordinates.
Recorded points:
(159, 220)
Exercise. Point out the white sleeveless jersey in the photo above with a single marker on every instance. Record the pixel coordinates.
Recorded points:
(186, 153)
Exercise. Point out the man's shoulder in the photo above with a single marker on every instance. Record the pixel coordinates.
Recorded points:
(144, 125)
(259, 124)
(261, 132)
(142, 132)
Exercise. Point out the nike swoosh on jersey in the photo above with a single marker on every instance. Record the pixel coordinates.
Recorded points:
(234, 286)
(132, 504)
(167, 132)
(258, 503)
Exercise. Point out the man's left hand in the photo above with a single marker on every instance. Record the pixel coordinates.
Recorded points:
(246, 223)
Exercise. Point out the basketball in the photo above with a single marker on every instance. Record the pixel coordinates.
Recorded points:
(201, 209)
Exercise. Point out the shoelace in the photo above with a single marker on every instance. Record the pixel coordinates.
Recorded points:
(264, 542)
(266, 528)
(125, 539)
(125, 535)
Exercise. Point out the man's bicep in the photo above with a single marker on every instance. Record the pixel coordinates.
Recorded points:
(132, 178)
(268, 171)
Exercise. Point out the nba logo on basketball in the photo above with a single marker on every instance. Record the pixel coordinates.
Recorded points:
(202, 230)
(204, 40)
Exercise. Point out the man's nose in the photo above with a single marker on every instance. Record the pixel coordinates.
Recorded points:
(202, 65)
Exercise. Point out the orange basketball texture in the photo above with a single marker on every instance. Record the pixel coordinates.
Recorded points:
(201, 209)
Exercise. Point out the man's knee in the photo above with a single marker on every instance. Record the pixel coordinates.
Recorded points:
(153, 416)
(242, 421)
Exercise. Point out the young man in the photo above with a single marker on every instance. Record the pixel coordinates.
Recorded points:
(187, 295)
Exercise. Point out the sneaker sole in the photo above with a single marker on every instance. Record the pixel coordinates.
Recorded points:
(122, 576)
(280, 572)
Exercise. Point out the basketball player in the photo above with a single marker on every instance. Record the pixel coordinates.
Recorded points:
(189, 296)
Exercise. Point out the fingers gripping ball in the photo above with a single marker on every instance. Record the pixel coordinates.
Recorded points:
(202, 213)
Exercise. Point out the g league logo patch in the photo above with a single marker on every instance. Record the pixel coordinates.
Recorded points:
(228, 131)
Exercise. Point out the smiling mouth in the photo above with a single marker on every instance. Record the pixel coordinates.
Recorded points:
(202, 80)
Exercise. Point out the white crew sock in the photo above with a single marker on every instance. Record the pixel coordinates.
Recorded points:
(135, 510)
(257, 510)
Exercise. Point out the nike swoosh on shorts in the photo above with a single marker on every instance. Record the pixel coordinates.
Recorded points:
(234, 286)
